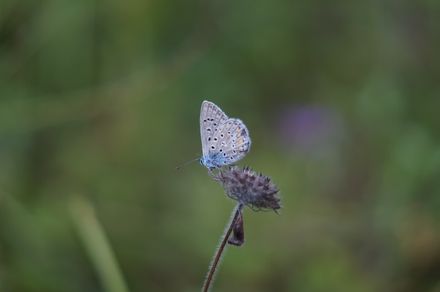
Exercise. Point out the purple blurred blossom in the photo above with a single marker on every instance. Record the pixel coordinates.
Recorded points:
(310, 128)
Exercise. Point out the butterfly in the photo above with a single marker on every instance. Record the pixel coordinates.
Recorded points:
(224, 140)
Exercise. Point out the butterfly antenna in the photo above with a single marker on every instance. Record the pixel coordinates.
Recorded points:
(186, 163)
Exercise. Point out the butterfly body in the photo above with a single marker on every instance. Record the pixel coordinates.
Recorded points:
(212, 161)
(224, 140)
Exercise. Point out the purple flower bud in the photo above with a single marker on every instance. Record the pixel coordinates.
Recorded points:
(237, 237)
(249, 188)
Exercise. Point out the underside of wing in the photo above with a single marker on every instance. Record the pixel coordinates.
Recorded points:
(230, 143)
(211, 116)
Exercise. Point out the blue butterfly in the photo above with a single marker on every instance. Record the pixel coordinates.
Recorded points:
(224, 140)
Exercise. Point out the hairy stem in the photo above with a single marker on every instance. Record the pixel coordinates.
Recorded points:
(221, 248)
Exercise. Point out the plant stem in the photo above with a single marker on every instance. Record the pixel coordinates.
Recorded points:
(219, 251)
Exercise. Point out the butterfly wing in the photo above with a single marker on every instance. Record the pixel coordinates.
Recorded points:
(211, 116)
(230, 143)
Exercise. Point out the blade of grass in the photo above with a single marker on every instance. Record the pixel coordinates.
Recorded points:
(97, 245)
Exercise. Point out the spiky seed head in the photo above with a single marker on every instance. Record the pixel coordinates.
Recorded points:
(249, 188)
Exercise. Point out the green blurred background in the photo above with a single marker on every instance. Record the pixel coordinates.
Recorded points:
(100, 100)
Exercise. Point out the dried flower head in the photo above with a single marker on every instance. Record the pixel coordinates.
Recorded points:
(249, 188)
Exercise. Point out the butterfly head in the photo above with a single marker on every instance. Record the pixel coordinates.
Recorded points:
(208, 162)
